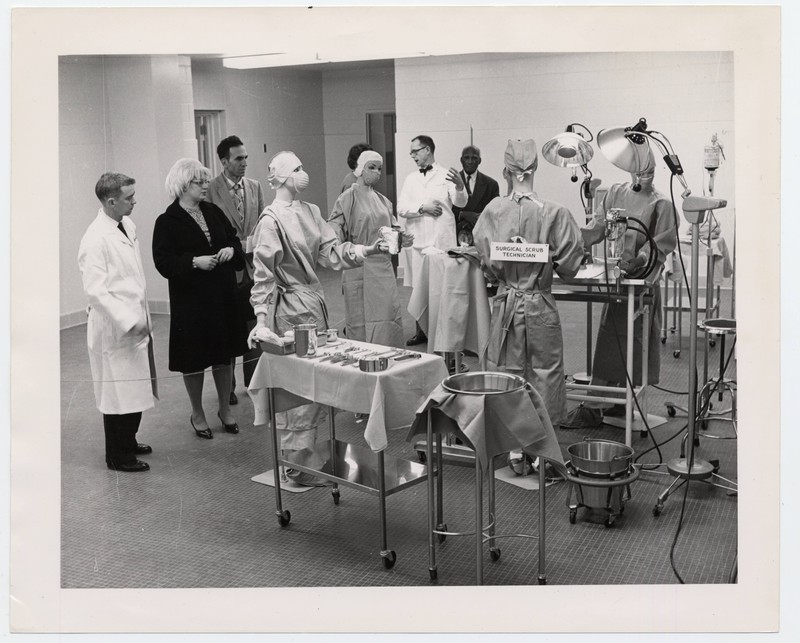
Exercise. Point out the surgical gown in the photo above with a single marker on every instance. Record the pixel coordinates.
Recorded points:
(525, 333)
(371, 303)
(289, 241)
(656, 213)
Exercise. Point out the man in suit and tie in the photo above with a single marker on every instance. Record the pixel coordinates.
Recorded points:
(480, 188)
(242, 201)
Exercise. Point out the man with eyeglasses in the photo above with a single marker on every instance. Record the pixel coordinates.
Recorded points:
(425, 207)
(242, 201)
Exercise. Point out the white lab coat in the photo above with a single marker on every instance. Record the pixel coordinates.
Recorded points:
(113, 280)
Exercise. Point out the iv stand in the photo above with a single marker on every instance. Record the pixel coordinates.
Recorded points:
(688, 468)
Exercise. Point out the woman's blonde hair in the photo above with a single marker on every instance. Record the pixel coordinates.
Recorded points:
(182, 174)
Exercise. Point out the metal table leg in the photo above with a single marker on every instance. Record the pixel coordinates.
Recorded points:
(478, 523)
(332, 426)
(542, 481)
(494, 551)
(431, 537)
(440, 524)
(629, 368)
(389, 556)
(283, 515)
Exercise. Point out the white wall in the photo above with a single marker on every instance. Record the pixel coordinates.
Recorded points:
(129, 114)
(348, 95)
(687, 96)
(277, 108)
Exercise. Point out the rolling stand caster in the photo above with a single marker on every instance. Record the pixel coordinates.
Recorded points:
(284, 517)
(335, 494)
(389, 559)
(494, 554)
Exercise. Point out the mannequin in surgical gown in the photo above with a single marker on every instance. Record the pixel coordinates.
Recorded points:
(371, 302)
(655, 212)
(290, 239)
(525, 335)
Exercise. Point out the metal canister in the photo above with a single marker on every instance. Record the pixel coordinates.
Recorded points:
(393, 238)
(305, 339)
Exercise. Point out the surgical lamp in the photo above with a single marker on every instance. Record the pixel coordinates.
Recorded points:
(626, 148)
(570, 149)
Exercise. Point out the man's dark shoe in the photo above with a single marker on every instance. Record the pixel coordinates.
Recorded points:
(131, 467)
(143, 449)
(419, 338)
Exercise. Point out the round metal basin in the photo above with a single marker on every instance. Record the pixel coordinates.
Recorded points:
(483, 383)
(600, 457)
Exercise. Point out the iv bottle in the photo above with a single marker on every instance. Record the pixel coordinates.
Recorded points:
(711, 154)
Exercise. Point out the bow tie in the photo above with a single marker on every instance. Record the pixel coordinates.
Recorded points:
(518, 196)
(425, 170)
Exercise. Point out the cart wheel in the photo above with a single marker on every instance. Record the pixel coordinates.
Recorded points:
(712, 343)
(542, 581)
(657, 510)
(284, 518)
(573, 516)
(335, 494)
(494, 554)
(671, 411)
(663, 340)
(390, 559)
(676, 354)
(609, 522)
(434, 574)
(422, 456)
(441, 537)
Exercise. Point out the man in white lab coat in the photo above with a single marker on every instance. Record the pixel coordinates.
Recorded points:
(425, 207)
(119, 326)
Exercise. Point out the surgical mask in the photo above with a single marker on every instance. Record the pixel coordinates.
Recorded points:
(371, 177)
(644, 180)
(301, 180)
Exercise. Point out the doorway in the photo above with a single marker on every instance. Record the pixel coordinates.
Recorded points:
(381, 127)
(208, 130)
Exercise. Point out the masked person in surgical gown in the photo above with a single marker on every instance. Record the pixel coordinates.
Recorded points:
(525, 335)
(655, 212)
(291, 238)
(371, 303)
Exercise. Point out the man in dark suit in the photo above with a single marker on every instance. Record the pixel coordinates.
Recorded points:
(480, 188)
(242, 201)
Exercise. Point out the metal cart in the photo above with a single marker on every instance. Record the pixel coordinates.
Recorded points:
(390, 397)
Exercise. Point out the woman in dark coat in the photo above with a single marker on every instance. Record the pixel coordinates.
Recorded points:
(195, 247)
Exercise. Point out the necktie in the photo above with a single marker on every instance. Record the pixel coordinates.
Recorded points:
(467, 182)
(425, 170)
(122, 229)
(238, 197)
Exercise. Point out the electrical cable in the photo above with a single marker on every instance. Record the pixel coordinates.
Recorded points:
(689, 465)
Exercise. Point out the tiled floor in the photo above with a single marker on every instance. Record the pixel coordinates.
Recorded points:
(197, 520)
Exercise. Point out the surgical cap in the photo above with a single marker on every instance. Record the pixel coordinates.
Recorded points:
(281, 167)
(648, 163)
(521, 157)
(364, 158)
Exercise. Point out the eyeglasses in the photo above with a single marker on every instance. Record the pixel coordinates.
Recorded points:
(202, 183)
(414, 152)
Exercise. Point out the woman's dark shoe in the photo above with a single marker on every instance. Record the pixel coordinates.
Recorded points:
(230, 428)
(205, 434)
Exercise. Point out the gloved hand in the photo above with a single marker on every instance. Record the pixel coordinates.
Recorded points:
(261, 334)
(633, 266)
